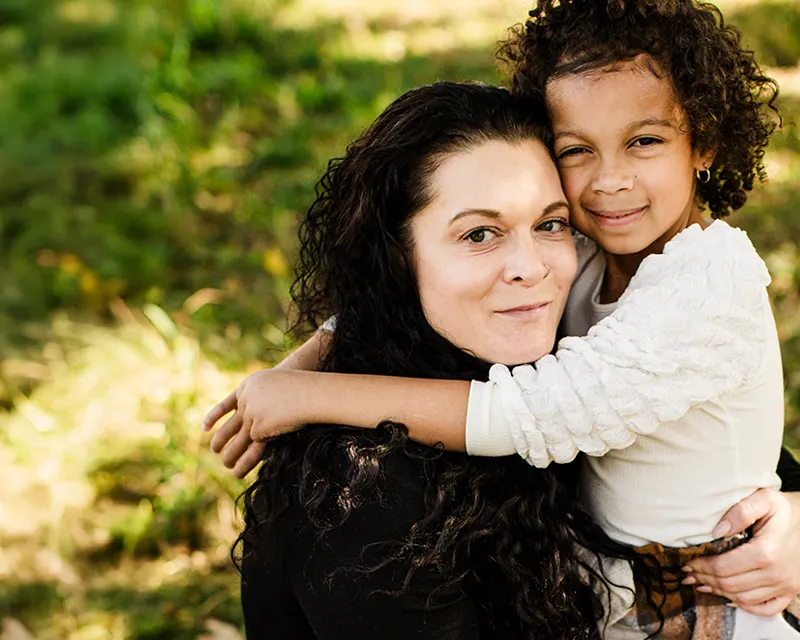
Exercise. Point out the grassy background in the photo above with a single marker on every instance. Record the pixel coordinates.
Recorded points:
(155, 157)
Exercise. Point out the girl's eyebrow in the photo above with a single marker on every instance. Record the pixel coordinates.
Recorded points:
(633, 126)
(651, 122)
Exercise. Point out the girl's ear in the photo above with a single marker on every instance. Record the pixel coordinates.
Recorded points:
(704, 160)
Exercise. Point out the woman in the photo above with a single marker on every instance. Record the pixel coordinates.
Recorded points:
(366, 534)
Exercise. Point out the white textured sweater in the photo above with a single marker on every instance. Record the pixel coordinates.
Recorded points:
(676, 395)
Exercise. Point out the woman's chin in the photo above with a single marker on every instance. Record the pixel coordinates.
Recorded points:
(515, 355)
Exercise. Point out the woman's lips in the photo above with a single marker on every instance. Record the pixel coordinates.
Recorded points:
(617, 218)
(525, 312)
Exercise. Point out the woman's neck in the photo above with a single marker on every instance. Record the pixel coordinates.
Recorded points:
(621, 268)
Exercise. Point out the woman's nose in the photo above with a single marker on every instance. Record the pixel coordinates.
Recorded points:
(525, 264)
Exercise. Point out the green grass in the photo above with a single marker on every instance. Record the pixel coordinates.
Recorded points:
(156, 156)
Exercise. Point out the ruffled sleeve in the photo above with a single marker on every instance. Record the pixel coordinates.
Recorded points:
(690, 328)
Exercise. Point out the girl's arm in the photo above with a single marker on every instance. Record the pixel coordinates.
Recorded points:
(239, 452)
(692, 326)
(308, 355)
(274, 402)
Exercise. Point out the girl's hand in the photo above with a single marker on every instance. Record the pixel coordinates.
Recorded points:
(763, 575)
(239, 452)
(267, 404)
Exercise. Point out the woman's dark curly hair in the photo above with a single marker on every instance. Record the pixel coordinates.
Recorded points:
(498, 527)
(719, 84)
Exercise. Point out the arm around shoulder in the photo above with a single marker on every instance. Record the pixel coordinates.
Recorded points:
(690, 328)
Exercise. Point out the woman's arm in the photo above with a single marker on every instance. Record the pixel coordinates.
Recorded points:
(763, 575)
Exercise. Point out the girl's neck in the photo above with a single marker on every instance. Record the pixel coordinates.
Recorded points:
(621, 268)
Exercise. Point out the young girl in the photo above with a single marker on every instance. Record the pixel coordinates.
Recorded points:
(675, 391)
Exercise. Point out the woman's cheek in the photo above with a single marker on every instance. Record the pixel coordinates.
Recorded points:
(562, 257)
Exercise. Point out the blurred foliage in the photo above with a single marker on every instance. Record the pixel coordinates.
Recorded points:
(156, 156)
(152, 149)
(771, 29)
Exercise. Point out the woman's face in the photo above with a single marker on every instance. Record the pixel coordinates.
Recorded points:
(493, 251)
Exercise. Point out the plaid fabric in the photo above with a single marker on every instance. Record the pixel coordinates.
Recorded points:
(688, 614)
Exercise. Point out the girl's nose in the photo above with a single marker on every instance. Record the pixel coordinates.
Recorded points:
(613, 181)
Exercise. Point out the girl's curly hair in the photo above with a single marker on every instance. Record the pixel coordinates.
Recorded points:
(495, 526)
(719, 84)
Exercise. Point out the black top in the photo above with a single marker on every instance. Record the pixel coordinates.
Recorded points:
(305, 587)
(309, 587)
(789, 471)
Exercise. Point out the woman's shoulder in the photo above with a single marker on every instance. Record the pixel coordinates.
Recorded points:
(378, 472)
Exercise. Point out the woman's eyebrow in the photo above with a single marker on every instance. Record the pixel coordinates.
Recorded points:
(486, 213)
(493, 214)
(554, 206)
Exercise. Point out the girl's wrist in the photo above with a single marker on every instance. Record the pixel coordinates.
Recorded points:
(323, 398)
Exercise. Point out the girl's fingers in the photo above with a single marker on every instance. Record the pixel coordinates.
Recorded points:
(219, 410)
(226, 432)
(235, 448)
(249, 459)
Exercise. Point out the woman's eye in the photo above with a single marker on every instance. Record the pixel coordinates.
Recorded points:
(646, 141)
(478, 236)
(554, 226)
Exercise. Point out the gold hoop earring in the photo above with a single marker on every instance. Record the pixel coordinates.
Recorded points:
(704, 176)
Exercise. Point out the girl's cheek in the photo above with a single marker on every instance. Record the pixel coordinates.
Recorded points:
(571, 181)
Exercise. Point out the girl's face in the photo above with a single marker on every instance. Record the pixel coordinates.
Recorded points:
(493, 252)
(625, 156)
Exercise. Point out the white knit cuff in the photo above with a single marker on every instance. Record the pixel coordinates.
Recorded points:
(488, 433)
(329, 325)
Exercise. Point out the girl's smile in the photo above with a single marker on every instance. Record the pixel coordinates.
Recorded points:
(618, 218)
(625, 156)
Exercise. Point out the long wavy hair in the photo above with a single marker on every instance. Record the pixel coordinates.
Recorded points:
(729, 101)
(496, 527)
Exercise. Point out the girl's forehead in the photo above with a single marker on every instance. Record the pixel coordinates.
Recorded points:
(611, 96)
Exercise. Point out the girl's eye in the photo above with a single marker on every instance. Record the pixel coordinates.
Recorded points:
(646, 141)
(574, 151)
(556, 225)
(479, 236)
